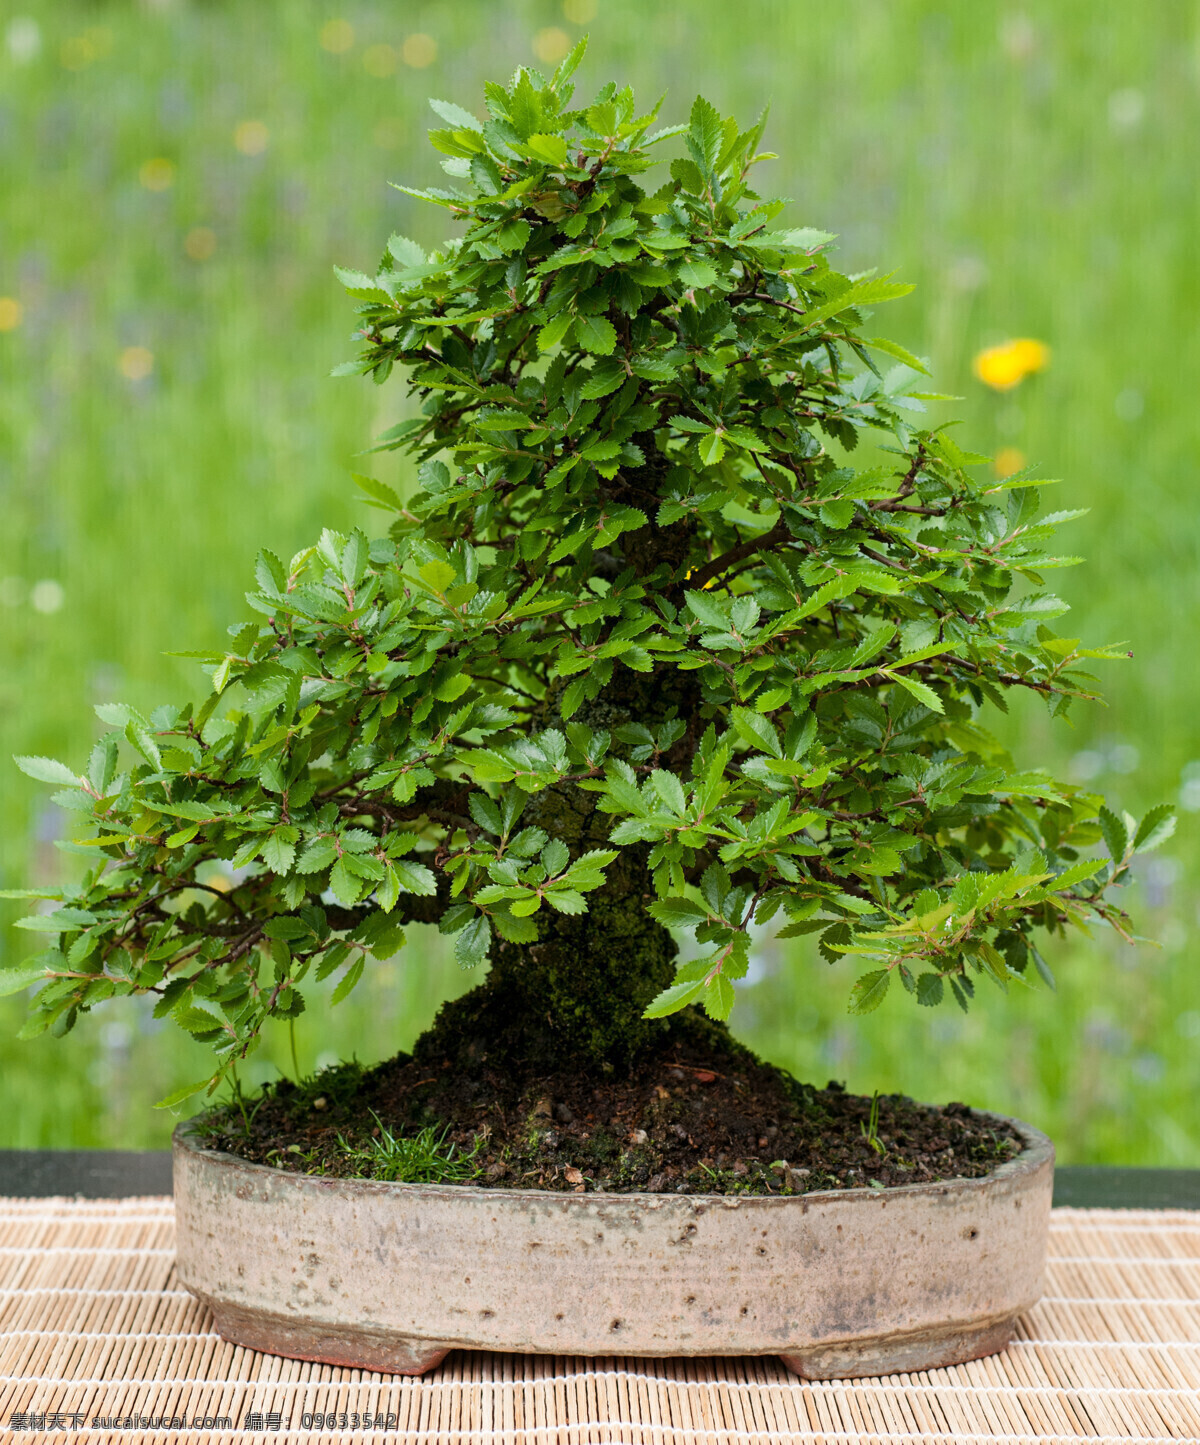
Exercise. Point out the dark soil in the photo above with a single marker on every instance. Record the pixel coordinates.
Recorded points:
(697, 1116)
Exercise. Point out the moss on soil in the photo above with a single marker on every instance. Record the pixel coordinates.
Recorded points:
(697, 1114)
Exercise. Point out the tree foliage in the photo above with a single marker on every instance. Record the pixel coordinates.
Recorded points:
(658, 443)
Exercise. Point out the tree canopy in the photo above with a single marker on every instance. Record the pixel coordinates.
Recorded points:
(682, 538)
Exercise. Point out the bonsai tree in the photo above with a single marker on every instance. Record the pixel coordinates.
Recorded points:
(690, 625)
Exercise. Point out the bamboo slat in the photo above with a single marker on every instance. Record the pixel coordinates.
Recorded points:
(97, 1337)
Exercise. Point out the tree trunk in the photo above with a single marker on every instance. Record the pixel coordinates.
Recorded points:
(575, 998)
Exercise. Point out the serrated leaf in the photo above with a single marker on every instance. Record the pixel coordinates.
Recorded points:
(554, 330)
(345, 885)
(718, 998)
(348, 980)
(677, 912)
(1155, 828)
(455, 115)
(177, 1096)
(549, 148)
(930, 989)
(1115, 834)
(672, 999)
(596, 334)
(20, 975)
(893, 348)
(757, 730)
(869, 991)
(47, 770)
(473, 942)
(919, 690)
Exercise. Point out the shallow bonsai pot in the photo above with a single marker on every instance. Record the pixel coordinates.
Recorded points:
(391, 1277)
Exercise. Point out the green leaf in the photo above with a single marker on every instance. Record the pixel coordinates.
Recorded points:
(177, 1096)
(549, 148)
(345, 885)
(554, 330)
(46, 770)
(473, 943)
(712, 448)
(672, 999)
(1116, 836)
(348, 980)
(513, 236)
(696, 274)
(757, 731)
(707, 609)
(1155, 828)
(705, 134)
(455, 115)
(278, 854)
(15, 977)
(892, 348)
(929, 989)
(718, 998)
(868, 992)
(596, 334)
(917, 689)
(677, 912)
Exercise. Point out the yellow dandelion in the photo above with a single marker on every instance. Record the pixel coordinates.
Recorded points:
(551, 44)
(251, 137)
(156, 174)
(1005, 366)
(419, 50)
(337, 36)
(1032, 355)
(380, 61)
(579, 12)
(1008, 460)
(200, 243)
(135, 363)
(12, 313)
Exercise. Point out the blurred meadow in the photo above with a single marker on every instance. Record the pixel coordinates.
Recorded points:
(180, 179)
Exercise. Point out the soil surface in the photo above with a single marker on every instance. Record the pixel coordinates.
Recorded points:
(697, 1116)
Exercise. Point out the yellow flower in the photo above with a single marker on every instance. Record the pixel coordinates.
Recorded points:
(419, 50)
(11, 313)
(1008, 460)
(1003, 367)
(551, 44)
(337, 36)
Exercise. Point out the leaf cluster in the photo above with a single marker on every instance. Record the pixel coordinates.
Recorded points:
(635, 408)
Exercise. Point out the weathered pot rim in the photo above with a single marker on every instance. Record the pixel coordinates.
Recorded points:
(1037, 1151)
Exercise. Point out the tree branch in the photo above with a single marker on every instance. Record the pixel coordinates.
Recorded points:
(766, 543)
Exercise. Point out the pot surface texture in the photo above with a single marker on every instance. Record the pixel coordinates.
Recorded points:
(392, 1276)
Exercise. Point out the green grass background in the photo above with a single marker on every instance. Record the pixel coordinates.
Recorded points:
(1032, 171)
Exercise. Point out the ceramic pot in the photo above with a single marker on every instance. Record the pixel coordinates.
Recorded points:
(392, 1276)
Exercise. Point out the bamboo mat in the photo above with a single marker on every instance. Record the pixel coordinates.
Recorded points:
(94, 1325)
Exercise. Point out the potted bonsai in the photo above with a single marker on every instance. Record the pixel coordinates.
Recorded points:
(689, 625)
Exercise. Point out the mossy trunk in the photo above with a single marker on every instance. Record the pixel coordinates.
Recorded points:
(576, 997)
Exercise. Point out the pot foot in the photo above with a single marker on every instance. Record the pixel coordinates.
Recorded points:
(893, 1354)
(352, 1347)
